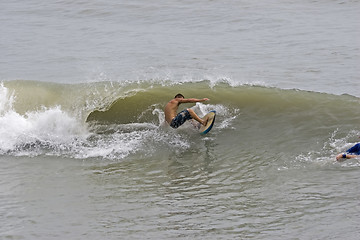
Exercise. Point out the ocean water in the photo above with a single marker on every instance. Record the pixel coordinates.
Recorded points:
(85, 153)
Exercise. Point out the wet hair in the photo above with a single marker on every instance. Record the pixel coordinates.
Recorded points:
(179, 95)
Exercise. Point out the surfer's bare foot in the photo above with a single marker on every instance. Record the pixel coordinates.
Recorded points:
(204, 122)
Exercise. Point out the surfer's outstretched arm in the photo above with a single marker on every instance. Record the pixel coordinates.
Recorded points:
(192, 100)
(192, 113)
(172, 106)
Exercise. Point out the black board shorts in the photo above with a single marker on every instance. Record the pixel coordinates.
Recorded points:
(180, 119)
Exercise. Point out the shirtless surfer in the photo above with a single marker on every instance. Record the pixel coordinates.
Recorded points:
(176, 120)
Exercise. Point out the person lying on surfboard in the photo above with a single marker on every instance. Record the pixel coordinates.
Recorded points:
(352, 152)
(175, 119)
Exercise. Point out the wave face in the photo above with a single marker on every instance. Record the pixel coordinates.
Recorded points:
(112, 120)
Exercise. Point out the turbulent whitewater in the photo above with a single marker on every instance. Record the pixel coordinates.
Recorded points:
(112, 120)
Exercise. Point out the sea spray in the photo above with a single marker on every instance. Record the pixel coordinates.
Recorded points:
(50, 127)
(6, 99)
(120, 120)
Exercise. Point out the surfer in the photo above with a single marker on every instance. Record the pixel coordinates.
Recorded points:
(176, 120)
(352, 152)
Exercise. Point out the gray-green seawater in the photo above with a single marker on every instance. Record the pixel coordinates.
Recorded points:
(266, 170)
(84, 153)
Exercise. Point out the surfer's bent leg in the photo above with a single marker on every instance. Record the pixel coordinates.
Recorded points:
(180, 119)
(196, 117)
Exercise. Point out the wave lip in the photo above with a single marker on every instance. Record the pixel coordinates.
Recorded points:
(116, 120)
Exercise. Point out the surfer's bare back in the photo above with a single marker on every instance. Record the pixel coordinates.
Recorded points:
(175, 119)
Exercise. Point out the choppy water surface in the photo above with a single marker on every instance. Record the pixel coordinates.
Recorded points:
(84, 153)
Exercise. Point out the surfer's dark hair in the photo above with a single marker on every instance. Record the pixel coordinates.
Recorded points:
(179, 95)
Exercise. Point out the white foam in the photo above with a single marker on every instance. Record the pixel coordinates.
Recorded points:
(227, 116)
(53, 131)
(333, 146)
(49, 125)
(52, 125)
(6, 99)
